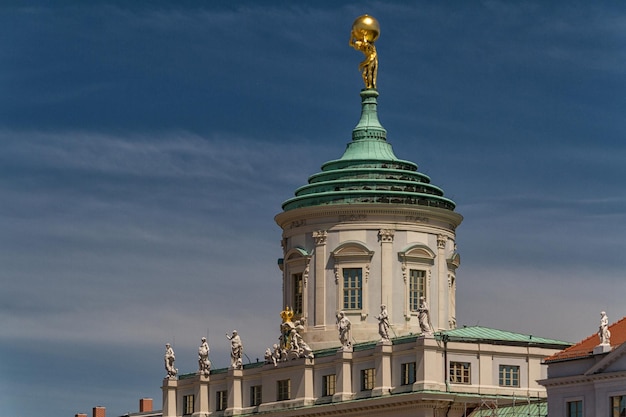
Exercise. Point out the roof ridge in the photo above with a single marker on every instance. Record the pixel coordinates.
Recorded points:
(584, 348)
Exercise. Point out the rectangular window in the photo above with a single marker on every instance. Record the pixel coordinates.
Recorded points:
(618, 406)
(416, 288)
(328, 385)
(256, 395)
(367, 379)
(187, 405)
(575, 408)
(221, 400)
(408, 373)
(509, 376)
(283, 390)
(352, 288)
(459, 372)
(297, 294)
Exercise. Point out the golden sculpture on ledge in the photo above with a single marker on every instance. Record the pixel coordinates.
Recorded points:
(365, 31)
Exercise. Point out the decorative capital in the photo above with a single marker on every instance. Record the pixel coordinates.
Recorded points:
(320, 237)
(441, 241)
(386, 235)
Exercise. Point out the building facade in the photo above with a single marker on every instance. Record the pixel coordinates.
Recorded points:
(589, 378)
(369, 268)
(369, 234)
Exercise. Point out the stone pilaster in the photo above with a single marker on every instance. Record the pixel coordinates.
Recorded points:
(202, 403)
(441, 322)
(343, 387)
(169, 397)
(385, 236)
(235, 397)
(382, 363)
(320, 277)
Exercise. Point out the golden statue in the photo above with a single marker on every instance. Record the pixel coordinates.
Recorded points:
(286, 314)
(365, 31)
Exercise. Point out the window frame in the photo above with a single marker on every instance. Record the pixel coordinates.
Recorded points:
(418, 257)
(461, 371)
(283, 390)
(508, 373)
(352, 299)
(297, 293)
(415, 294)
(221, 400)
(408, 373)
(256, 395)
(621, 405)
(578, 412)
(352, 255)
(368, 379)
(188, 404)
(329, 385)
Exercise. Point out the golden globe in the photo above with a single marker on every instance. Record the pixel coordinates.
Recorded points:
(366, 28)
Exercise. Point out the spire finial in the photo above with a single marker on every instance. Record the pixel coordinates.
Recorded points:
(365, 31)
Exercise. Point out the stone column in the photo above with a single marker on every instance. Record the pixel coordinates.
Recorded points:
(235, 398)
(382, 363)
(343, 387)
(441, 322)
(169, 397)
(320, 277)
(386, 267)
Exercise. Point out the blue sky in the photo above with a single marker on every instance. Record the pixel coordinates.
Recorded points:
(147, 146)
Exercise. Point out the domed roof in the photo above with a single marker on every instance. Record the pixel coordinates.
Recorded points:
(369, 172)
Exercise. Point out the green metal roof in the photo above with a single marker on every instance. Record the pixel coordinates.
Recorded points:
(537, 409)
(369, 172)
(489, 335)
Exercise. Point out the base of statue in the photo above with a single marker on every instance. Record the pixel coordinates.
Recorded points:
(601, 349)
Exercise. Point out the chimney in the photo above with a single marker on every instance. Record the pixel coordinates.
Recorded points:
(99, 411)
(145, 404)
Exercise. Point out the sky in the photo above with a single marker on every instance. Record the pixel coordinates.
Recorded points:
(147, 146)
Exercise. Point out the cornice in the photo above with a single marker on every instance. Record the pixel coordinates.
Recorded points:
(360, 212)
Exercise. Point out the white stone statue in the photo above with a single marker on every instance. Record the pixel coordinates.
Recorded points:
(383, 323)
(204, 364)
(169, 362)
(344, 327)
(603, 331)
(236, 350)
(424, 316)
(299, 348)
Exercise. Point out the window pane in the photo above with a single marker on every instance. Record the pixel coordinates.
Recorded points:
(509, 376)
(575, 409)
(416, 288)
(255, 395)
(284, 390)
(352, 288)
(619, 406)
(328, 385)
(459, 372)
(367, 379)
(408, 373)
(297, 293)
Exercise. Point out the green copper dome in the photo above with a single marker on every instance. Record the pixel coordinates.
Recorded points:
(369, 172)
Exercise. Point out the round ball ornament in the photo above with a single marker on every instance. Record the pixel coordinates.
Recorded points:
(366, 28)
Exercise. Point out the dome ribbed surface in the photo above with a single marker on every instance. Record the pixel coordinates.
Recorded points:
(369, 172)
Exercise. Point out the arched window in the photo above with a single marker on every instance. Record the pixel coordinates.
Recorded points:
(352, 264)
(417, 261)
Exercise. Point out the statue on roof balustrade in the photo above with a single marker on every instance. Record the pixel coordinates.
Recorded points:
(603, 331)
(169, 359)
